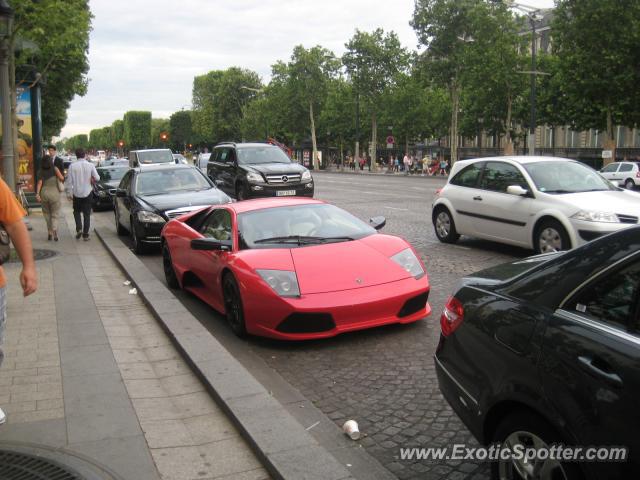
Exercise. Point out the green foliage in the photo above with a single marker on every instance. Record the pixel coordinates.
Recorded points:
(77, 141)
(159, 126)
(180, 130)
(137, 129)
(597, 45)
(117, 132)
(219, 101)
(60, 30)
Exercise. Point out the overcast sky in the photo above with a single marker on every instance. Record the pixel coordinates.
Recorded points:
(144, 54)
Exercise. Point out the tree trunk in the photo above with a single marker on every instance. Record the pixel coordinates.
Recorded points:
(610, 142)
(373, 148)
(406, 145)
(455, 103)
(508, 141)
(316, 165)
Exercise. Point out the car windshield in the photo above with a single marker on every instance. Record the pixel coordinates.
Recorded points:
(159, 182)
(155, 156)
(260, 154)
(299, 225)
(566, 177)
(111, 174)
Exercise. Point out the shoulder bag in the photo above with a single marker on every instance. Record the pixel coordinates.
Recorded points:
(5, 245)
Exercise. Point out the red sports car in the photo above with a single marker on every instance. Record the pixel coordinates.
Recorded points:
(294, 268)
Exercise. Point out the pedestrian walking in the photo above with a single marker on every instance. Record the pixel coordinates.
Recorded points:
(80, 179)
(396, 163)
(55, 159)
(11, 214)
(48, 194)
(406, 163)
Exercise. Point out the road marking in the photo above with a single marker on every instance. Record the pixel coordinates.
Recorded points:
(396, 208)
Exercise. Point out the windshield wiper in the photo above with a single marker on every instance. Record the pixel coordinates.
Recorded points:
(302, 240)
(558, 191)
(152, 194)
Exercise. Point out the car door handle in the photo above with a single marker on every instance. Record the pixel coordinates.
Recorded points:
(478, 198)
(600, 368)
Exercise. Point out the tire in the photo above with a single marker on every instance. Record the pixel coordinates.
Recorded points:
(233, 305)
(528, 429)
(169, 272)
(138, 246)
(629, 184)
(444, 225)
(551, 236)
(120, 230)
(241, 192)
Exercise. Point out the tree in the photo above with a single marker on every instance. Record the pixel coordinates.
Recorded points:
(444, 26)
(160, 133)
(219, 101)
(137, 129)
(373, 61)
(180, 129)
(58, 32)
(597, 45)
(309, 72)
(337, 116)
(117, 132)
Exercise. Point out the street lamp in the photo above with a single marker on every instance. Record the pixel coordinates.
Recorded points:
(6, 20)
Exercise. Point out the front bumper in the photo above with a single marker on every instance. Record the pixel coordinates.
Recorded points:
(587, 231)
(102, 202)
(330, 314)
(149, 232)
(305, 189)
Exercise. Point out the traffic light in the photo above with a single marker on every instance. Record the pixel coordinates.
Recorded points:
(164, 136)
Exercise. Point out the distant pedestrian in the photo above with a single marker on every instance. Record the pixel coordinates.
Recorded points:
(11, 214)
(396, 163)
(80, 179)
(443, 166)
(406, 161)
(48, 194)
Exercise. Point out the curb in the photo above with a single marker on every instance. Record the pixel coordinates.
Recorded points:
(387, 175)
(282, 445)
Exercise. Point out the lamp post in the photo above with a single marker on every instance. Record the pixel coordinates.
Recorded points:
(8, 163)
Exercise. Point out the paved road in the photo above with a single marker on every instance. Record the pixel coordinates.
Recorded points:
(384, 378)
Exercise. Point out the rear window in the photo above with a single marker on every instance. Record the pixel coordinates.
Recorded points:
(468, 176)
(155, 156)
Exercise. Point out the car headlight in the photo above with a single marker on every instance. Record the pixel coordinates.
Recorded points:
(594, 216)
(408, 260)
(145, 216)
(284, 282)
(254, 177)
(306, 176)
(102, 193)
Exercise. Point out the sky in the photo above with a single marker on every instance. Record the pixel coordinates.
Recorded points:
(144, 54)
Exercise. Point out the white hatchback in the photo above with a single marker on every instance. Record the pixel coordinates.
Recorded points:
(625, 173)
(543, 203)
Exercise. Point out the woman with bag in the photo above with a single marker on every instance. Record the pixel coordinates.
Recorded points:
(50, 184)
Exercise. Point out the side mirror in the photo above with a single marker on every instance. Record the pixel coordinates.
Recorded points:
(121, 192)
(378, 222)
(517, 190)
(211, 244)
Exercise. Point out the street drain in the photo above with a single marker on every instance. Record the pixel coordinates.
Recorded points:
(15, 465)
(38, 254)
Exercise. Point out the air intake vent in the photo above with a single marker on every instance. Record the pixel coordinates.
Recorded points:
(627, 218)
(414, 304)
(307, 323)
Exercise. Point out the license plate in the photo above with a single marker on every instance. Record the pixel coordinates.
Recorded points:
(285, 193)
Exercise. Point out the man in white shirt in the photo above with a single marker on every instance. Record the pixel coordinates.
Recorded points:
(80, 179)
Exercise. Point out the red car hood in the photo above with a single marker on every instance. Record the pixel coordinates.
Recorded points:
(343, 266)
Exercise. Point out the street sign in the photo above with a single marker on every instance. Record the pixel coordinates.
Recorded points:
(607, 153)
(391, 140)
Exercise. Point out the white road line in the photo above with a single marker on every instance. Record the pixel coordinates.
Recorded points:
(400, 209)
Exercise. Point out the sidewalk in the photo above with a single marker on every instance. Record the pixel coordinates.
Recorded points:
(381, 172)
(91, 379)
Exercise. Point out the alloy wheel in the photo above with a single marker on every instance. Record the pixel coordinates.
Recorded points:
(550, 240)
(233, 306)
(443, 224)
(520, 468)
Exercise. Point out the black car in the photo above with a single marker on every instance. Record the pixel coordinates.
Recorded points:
(149, 196)
(248, 170)
(105, 188)
(546, 350)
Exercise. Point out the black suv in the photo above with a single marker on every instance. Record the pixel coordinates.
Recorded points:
(246, 170)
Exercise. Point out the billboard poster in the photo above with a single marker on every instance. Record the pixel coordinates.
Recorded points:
(24, 147)
(306, 154)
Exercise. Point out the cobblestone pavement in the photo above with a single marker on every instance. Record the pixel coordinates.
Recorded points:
(384, 378)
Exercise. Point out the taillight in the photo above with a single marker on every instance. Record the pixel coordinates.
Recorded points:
(440, 189)
(638, 174)
(452, 316)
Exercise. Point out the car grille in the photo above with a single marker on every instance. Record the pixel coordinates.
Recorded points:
(414, 304)
(181, 211)
(627, 218)
(283, 179)
(306, 323)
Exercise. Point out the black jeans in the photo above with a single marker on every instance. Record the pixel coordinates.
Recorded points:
(82, 206)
